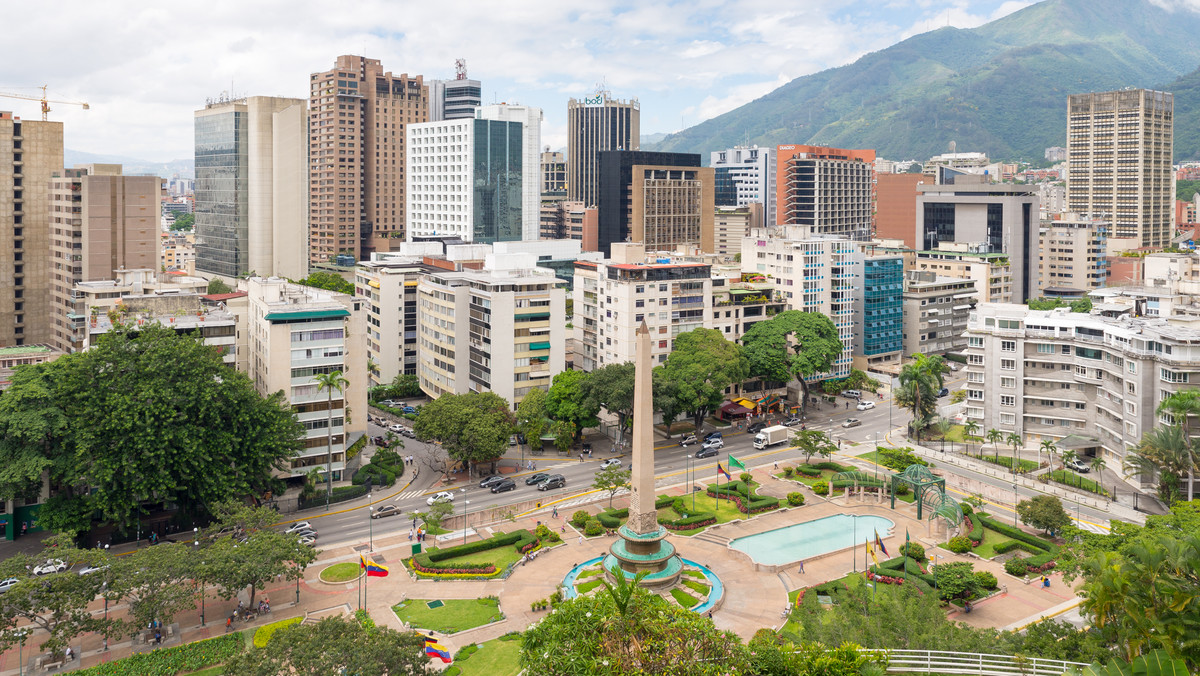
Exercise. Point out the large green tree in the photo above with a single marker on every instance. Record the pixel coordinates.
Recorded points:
(1165, 455)
(1044, 512)
(813, 442)
(531, 417)
(472, 427)
(793, 344)
(611, 387)
(183, 223)
(155, 582)
(570, 401)
(336, 645)
(145, 416)
(611, 480)
(666, 398)
(920, 381)
(702, 365)
(330, 281)
(248, 554)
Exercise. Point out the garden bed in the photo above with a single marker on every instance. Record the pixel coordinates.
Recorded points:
(1066, 478)
(454, 615)
(482, 559)
(341, 572)
(180, 659)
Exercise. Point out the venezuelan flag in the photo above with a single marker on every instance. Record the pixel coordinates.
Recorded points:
(722, 471)
(373, 569)
(435, 649)
(879, 544)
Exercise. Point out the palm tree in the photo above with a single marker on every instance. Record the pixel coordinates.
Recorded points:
(944, 427)
(920, 381)
(1182, 406)
(1013, 439)
(1048, 446)
(994, 436)
(330, 382)
(1098, 465)
(1068, 456)
(970, 430)
(1165, 453)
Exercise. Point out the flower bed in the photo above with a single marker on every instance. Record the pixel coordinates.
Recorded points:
(427, 563)
(171, 661)
(743, 495)
(886, 579)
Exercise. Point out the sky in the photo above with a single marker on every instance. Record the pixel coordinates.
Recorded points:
(144, 68)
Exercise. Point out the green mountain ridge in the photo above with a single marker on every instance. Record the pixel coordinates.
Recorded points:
(1000, 88)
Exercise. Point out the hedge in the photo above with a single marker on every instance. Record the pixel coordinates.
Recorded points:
(340, 494)
(976, 534)
(262, 635)
(427, 561)
(379, 476)
(1018, 534)
(747, 501)
(170, 661)
(612, 518)
(1008, 546)
(1007, 461)
(356, 447)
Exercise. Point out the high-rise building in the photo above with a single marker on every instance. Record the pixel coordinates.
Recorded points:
(896, 206)
(879, 303)
(732, 224)
(456, 99)
(391, 286)
(595, 124)
(531, 143)
(747, 174)
(102, 222)
(30, 153)
(935, 311)
(657, 199)
(252, 187)
(357, 118)
(477, 197)
(554, 174)
(1119, 162)
(1073, 257)
(829, 190)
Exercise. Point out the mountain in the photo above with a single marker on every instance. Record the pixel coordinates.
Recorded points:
(1000, 88)
(132, 165)
(1187, 116)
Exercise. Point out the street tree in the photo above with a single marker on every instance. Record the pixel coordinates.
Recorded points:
(243, 551)
(1049, 448)
(1044, 512)
(970, 430)
(473, 428)
(702, 365)
(145, 416)
(1163, 454)
(611, 386)
(328, 382)
(792, 345)
(1016, 442)
(569, 400)
(920, 381)
(994, 437)
(155, 583)
(956, 580)
(436, 515)
(336, 645)
(666, 398)
(611, 480)
(531, 417)
(813, 442)
(1182, 406)
(217, 285)
(564, 434)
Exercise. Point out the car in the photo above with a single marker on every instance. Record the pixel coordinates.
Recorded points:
(852, 422)
(50, 566)
(865, 405)
(713, 443)
(852, 394)
(757, 427)
(553, 481)
(378, 440)
(512, 440)
(407, 432)
(89, 569)
(390, 403)
(536, 478)
(311, 542)
(953, 366)
(520, 438)
(8, 584)
(408, 409)
(688, 439)
(490, 481)
(713, 435)
(309, 533)
(396, 427)
(1078, 465)
(611, 462)
(444, 496)
(505, 485)
(385, 510)
(297, 527)
(792, 421)
(707, 452)
(943, 392)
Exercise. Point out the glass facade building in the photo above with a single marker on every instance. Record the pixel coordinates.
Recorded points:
(222, 223)
(883, 307)
(496, 188)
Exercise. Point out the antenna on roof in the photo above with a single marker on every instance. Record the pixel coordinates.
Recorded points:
(460, 69)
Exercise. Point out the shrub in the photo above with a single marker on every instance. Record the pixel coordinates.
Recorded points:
(340, 494)
(746, 478)
(1018, 534)
(821, 488)
(914, 550)
(185, 658)
(593, 527)
(902, 489)
(545, 534)
(959, 544)
(976, 533)
(680, 506)
(808, 471)
(898, 459)
(1016, 567)
(1008, 546)
(986, 579)
(795, 499)
(789, 471)
(580, 518)
(966, 509)
(262, 635)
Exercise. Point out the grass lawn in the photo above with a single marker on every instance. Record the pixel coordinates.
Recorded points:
(501, 556)
(456, 615)
(699, 588)
(691, 573)
(585, 587)
(1072, 479)
(211, 671)
(683, 598)
(494, 658)
(991, 538)
(341, 572)
(587, 573)
(726, 511)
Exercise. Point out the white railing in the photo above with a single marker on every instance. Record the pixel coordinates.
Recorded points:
(939, 662)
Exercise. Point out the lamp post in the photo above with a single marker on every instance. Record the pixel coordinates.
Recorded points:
(1016, 499)
(105, 587)
(466, 509)
(199, 583)
(21, 633)
(370, 525)
(876, 463)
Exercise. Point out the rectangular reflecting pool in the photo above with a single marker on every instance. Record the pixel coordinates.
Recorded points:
(812, 538)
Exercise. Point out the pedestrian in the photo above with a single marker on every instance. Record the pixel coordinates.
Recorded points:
(581, 456)
(589, 454)
(580, 539)
(802, 566)
(24, 526)
(556, 511)
(1045, 582)
(229, 624)
(776, 465)
(410, 534)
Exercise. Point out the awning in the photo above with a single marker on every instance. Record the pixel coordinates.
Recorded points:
(310, 314)
(1073, 442)
(769, 400)
(731, 410)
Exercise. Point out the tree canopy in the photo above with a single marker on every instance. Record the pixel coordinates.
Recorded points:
(1044, 512)
(702, 364)
(793, 344)
(330, 281)
(611, 387)
(570, 401)
(183, 223)
(531, 417)
(218, 285)
(336, 645)
(920, 382)
(145, 416)
(472, 427)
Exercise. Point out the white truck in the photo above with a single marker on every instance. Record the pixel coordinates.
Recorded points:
(771, 436)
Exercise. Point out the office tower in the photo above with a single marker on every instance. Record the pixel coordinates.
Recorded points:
(747, 175)
(478, 196)
(554, 174)
(829, 190)
(896, 206)
(1003, 217)
(252, 187)
(102, 222)
(456, 99)
(530, 119)
(357, 116)
(595, 124)
(879, 306)
(1073, 258)
(30, 153)
(657, 199)
(1119, 148)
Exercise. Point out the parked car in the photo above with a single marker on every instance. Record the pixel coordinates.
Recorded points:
(390, 403)
(297, 527)
(687, 440)
(714, 443)
(792, 421)
(396, 427)
(512, 440)
(444, 496)
(311, 542)
(50, 566)
(707, 452)
(490, 481)
(308, 533)
(378, 440)
(89, 569)
(943, 392)
(757, 427)
(852, 422)
(8, 584)
(713, 435)
(385, 510)
(536, 478)
(852, 394)
(865, 405)
(505, 485)
(553, 481)
(953, 366)
(610, 463)
(1078, 465)
(408, 432)
(408, 409)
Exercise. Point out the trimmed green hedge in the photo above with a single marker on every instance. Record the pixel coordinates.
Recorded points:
(611, 518)
(976, 534)
(340, 494)
(517, 538)
(1006, 461)
(171, 661)
(262, 635)
(743, 495)
(1008, 546)
(1018, 534)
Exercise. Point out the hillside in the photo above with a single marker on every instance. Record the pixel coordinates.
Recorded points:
(1000, 88)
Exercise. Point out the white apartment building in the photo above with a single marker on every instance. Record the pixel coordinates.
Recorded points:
(751, 170)
(935, 311)
(731, 225)
(500, 329)
(531, 159)
(294, 333)
(992, 272)
(389, 283)
(1072, 257)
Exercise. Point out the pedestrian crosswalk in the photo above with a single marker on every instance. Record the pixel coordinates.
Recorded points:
(1090, 527)
(408, 495)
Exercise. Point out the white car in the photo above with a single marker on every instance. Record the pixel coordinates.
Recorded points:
(611, 462)
(865, 405)
(311, 542)
(713, 443)
(444, 496)
(8, 584)
(397, 427)
(297, 527)
(89, 569)
(50, 566)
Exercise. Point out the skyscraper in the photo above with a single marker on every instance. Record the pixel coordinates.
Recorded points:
(456, 99)
(829, 190)
(1119, 148)
(252, 187)
(357, 117)
(595, 124)
(530, 119)
(656, 199)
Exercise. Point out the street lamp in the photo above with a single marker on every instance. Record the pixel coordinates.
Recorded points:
(21, 633)
(1016, 498)
(466, 506)
(370, 525)
(106, 608)
(200, 583)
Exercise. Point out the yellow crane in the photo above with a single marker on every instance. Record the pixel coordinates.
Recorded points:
(44, 101)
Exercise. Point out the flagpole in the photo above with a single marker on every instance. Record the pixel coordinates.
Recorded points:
(367, 573)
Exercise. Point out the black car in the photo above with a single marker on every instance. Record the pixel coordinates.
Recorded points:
(712, 435)
(944, 391)
(554, 481)
(379, 441)
(504, 485)
(536, 478)
(757, 427)
(491, 481)
(707, 452)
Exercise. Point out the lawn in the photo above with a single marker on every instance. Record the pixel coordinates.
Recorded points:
(1062, 476)
(456, 615)
(585, 587)
(500, 556)
(494, 658)
(683, 598)
(726, 511)
(211, 671)
(990, 539)
(341, 572)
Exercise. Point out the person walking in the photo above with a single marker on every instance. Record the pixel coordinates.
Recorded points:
(580, 539)
(801, 566)
(410, 534)
(581, 456)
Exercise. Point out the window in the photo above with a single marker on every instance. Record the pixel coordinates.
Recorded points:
(1008, 346)
(1008, 400)
(1132, 366)
(1080, 406)
(974, 377)
(1066, 349)
(1167, 375)
(974, 341)
(1045, 348)
(1131, 429)
(1131, 388)
(1008, 381)
(974, 412)
(1081, 371)
(1131, 408)
(1008, 364)
(975, 359)
(1008, 419)
(976, 395)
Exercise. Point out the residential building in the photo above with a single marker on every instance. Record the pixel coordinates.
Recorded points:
(478, 196)
(935, 311)
(389, 283)
(554, 174)
(30, 152)
(252, 187)
(746, 175)
(497, 329)
(595, 124)
(879, 303)
(656, 199)
(1056, 154)
(24, 355)
(357, 119)
(102, 222)
(530, 119)
(974, 163)
(829, 190)
(179, 252)
(1052, 200)
(1119, 146)
(176, 207)
(992, 272)
(896, 206)
(1185, 212)
(456, 99)
(295, 333)
(565, 220)
(732, 224)
(1001, 216)
(1073, 257)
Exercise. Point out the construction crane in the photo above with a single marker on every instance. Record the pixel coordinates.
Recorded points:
(45, 101)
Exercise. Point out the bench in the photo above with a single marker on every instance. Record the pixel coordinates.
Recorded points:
(51, 666)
